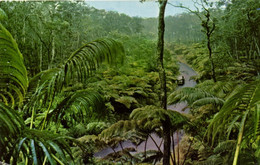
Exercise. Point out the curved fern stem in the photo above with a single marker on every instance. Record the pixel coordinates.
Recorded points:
(45, 159)
(45, 118)
(58, 160)
(185, 156)
(32, 118)
(240, 136)
(145, 145)
(159, 149)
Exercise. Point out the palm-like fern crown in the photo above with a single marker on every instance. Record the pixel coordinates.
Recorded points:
(151, 118)
(205, 93)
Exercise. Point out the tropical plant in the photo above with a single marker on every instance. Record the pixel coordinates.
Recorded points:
(239, 108)
(153, 120)
(13, 74)
(38, 146)
(30, 145)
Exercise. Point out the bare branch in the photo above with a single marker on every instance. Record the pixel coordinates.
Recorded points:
(213, 28)
(184, 7)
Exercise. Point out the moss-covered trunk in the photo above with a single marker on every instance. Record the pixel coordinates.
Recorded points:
(163, 92)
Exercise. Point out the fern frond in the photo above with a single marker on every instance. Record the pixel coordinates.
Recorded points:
(177, 120)
(188, 94)
(77, 106)
(87, 58)
(152, 118)
(244, 99)
(16, 140)
(225, 146)
(75, 70)
(41, 144)
(208, 100)
(239, 107)
(122, 130)
(11, 126)
(13, 74)
(220, 89)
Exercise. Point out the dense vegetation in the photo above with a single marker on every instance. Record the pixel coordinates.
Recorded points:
(75, 80)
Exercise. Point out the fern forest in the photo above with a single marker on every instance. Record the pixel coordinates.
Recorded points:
(165, 82)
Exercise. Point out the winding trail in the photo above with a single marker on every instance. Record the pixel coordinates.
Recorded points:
(185, 71)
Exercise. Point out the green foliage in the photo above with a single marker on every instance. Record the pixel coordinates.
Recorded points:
(78, 107)
(45, 95)
(151, 118)
(41, 144)
(244, 100)
(11, 126)
(183, 28)
(20, 143)
(13, 74)
(3, 15)
(87, 58)
(120, 131)
(239, 33)
(96, 127)
(238, 108)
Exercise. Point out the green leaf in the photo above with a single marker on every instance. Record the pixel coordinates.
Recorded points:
(33, 152)
(13, 74)
(46, 153)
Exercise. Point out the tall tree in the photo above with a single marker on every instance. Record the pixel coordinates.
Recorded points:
(162, 78)
(163, 92)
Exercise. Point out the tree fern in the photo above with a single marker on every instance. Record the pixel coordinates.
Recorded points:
(188, 94)
(79, 66)
(152, 118)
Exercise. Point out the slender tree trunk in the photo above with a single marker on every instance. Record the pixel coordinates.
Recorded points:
(163, 92)
(167, 143)
(178, 144)
(185, 157)
(209, 31)
(41, 50)
(40, 54)
(160, 50)
(211, 60)
(52, 50)
(24, 24)
(173, 150)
